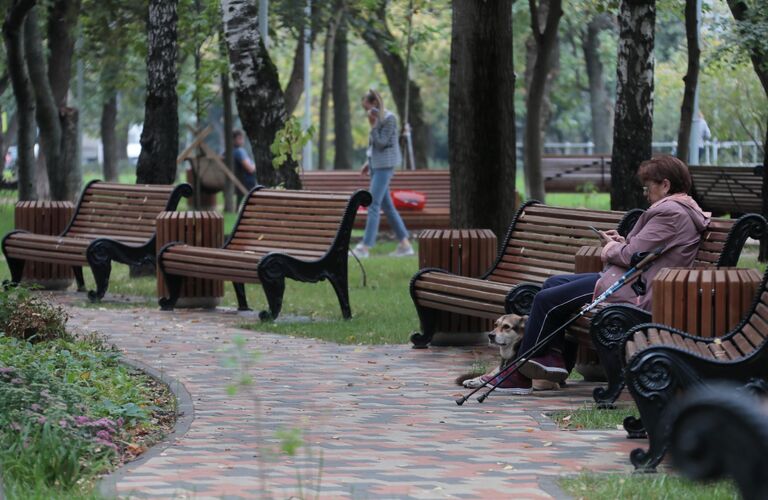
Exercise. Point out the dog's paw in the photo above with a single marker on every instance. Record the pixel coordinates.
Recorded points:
(474, 383)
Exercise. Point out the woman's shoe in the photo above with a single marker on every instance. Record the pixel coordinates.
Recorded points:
(360, 251)
(402, 251)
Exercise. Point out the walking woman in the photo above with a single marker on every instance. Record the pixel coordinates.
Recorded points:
(383, 156)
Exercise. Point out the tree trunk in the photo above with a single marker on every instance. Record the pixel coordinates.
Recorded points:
(759, 56)
(62, 21)
(342, 124)
(546, 42)
(633, 120)
(160, 136)
(295, 85)
(600, 104)
(109, 137)
(481, 116)
(690, 79)
(226, 95)
(13, 33)
(325, 94)
(47, 113)
(260, 100)
(122, 137)
(376, 34)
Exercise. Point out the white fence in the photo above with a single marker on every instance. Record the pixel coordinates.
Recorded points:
(713, 152)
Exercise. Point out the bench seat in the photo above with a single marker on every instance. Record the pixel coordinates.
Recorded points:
(542, 241)
(111, 222)
(721, 245)
(303, 235)
(661, 363)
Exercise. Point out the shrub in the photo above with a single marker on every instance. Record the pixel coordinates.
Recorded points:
(27, 317)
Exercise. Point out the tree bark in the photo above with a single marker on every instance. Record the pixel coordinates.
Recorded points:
(260, 100)
(109, 137)
(600, 104)
(690, 80)
(122, 137)
(13, 33)
(160, 136)
(47, 112)
(546, 41)
(342, 124)
(226, 95)
(62, 21)
(481, 116)
(759, 56)
(377, 36)
(325, 93)
(633, 119)
(295, 86)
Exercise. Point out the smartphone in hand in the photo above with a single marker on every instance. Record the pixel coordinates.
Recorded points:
(599, 233)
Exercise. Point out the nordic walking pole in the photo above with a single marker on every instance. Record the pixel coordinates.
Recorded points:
(522, 358)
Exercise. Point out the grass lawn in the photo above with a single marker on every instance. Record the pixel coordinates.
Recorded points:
(644, 487)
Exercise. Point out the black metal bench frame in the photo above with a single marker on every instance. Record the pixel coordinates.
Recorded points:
(275, 267)
(658, 374)
(102, 251)
(610, 326)
(519, 298)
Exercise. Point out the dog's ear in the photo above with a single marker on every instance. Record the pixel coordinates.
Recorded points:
(523, 321)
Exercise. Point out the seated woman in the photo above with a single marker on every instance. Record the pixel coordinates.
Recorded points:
(674, 219)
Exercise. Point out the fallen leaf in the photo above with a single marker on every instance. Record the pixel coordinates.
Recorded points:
(567, 418)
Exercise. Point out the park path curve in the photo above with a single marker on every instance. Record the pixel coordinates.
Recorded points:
(380, 421)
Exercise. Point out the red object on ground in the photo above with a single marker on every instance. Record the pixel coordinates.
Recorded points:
(408, 200)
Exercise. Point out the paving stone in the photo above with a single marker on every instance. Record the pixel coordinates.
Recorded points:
(379, 421)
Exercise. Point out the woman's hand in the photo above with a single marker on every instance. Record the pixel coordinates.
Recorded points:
(364, 169)
(373, 117)
(612, 235)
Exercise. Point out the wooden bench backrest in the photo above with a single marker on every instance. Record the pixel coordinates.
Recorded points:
(713, 242)
(544, 241)
(436, 184)
(300, 223)
(124, 212)
(727, 189)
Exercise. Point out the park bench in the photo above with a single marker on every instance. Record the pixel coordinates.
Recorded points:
(542, 241)
(721, 246)
(728, 190)
(721, 432)
(570, 174)
(302, 235)
(111, 222)
(662, 363)
(436, 184)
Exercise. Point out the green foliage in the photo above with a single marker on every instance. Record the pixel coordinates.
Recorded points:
(289, 142)
(28, 317)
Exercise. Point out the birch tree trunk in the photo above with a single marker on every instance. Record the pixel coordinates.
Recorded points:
(342, 125)
(546, 41)
(160, 135)
(633, 119)
(13, 34)
(481, 116)
(690, 79)
(600, 104)
(260, 100)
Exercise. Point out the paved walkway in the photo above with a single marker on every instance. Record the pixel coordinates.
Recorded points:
(380, 421)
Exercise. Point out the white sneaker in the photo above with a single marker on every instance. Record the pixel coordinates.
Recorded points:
(402, 251)
(360, 251)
